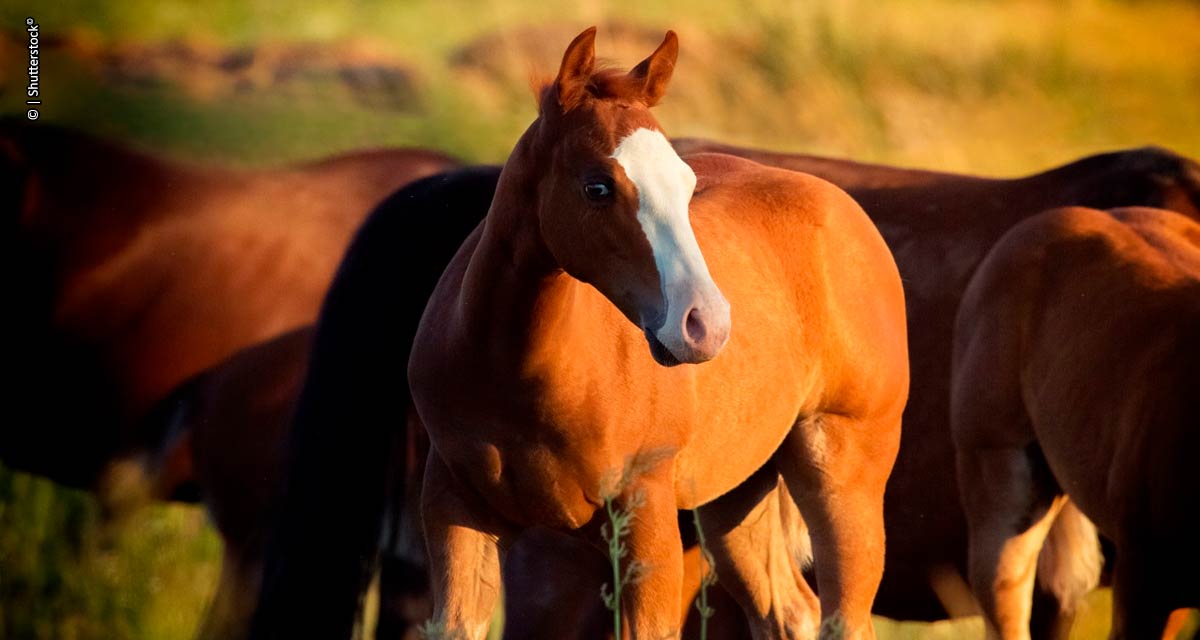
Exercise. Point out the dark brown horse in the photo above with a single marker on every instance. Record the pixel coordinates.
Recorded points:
(1075, 377)
(137, 273)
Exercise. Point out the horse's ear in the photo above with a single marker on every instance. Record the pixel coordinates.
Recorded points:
(576, 71)
(654, 72)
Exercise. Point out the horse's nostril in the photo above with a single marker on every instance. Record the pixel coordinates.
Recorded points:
(695, 326)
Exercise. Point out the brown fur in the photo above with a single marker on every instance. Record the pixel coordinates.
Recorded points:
(939, 226)
(239, 414)
(534, 386)
(963, 204)
(139, 272)
(1076, 363)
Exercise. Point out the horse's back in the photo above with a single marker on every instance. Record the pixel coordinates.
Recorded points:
(1136, 252)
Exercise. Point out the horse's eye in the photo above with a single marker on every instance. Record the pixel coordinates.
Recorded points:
(597, 191)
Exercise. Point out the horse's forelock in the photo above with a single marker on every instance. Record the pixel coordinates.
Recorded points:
(604, 84)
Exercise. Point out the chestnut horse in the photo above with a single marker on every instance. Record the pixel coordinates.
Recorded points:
(138, 272)
(549, 358)
(1075, 373)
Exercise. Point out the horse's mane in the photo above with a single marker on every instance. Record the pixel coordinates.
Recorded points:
(46, 140)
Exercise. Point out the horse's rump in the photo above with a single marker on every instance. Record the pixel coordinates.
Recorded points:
(1076, 350)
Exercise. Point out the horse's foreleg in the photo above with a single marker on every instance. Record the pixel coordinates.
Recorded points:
(1009, 512)
(836, 469)
(652, 596)
(754, 559)
(463, 540)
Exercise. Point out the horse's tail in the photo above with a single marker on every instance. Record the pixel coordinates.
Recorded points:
(1070, 562)
(795, 529)
(322, 549)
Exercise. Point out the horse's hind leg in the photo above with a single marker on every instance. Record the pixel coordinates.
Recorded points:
(1009, 511)
(1140, 607)
(1068, 568)
(836, 468)
(1008, 494)
(753, 552)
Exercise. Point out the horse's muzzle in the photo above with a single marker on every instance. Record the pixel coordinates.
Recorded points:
(695, 336)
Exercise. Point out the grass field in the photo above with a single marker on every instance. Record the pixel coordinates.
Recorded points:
(987, 87)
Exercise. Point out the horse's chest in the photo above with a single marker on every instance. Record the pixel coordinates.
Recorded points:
(532, 463)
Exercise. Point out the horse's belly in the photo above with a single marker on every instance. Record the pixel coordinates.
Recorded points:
(739, 427)
(724, 458)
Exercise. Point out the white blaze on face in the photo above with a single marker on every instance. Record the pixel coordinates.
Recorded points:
(665, 183)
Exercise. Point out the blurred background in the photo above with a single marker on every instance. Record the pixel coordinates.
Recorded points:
(997, 88)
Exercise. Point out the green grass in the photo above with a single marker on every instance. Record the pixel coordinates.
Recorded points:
(67, 573)
(995, 87)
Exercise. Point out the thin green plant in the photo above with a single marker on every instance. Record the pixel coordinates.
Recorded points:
(620, 519)
(707, 578)
(614, 532)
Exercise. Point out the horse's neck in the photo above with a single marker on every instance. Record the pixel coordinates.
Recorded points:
(513, 294)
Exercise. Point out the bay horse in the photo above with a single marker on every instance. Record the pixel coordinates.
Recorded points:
(138, 272)
(1075, 371)
(579, 331)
